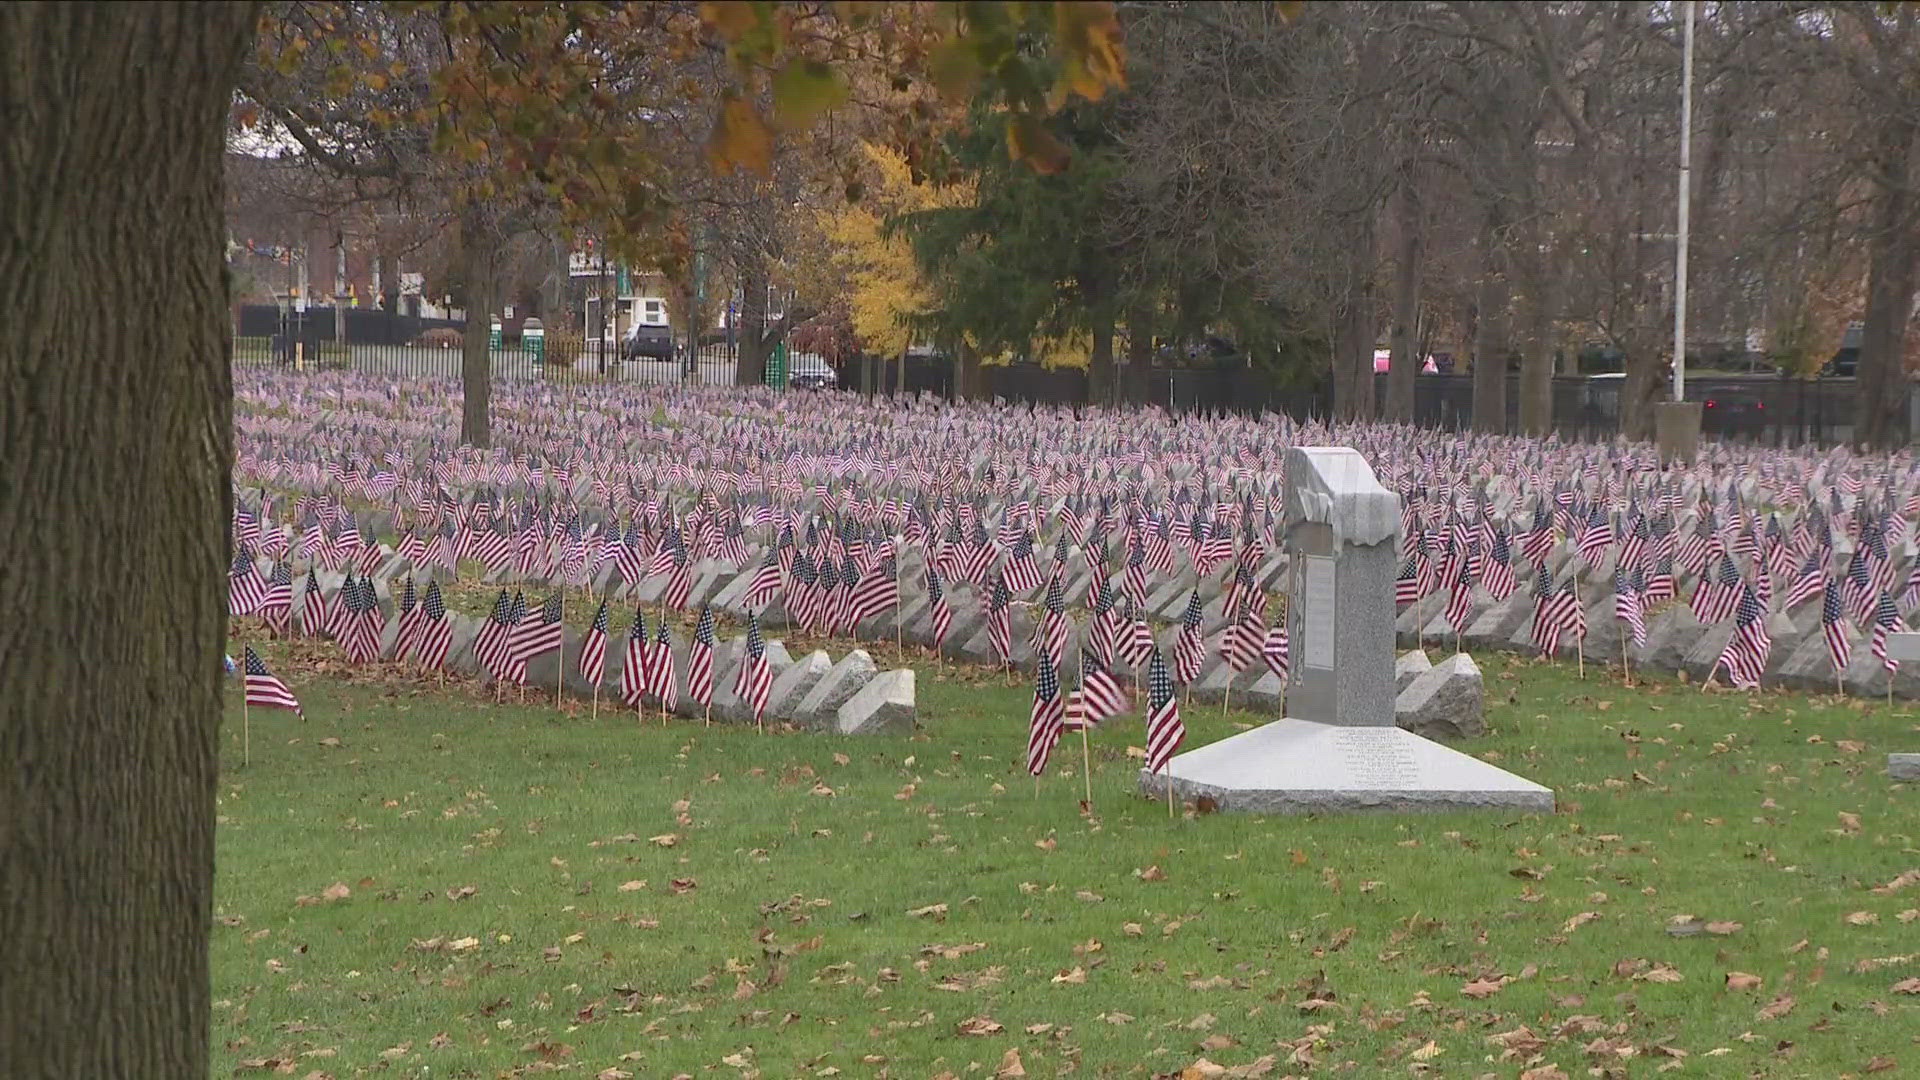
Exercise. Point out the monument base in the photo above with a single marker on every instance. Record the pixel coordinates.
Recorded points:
(1300, 766)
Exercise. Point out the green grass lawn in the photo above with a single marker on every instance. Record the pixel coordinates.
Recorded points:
(417, 883)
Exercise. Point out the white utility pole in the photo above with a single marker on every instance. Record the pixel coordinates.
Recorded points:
(1680, 247)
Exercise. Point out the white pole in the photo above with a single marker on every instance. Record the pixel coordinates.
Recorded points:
(1680, 248)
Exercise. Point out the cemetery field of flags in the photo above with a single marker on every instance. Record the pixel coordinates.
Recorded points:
(462, 835)
(418, 882)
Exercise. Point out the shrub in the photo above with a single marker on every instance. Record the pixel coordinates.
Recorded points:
(443, 337)
(564, 348)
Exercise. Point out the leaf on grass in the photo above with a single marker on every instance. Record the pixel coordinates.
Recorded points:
(1132, 929)
(1482, 988)
(1075, 976)
(632, 886)
(1580, 920)
(664, 839)
(1780, 1006)
(979, 1026)
(1544, 1072)
(1907, 986)
(1862, 918)
(336, 891)
(1722, 929)
(1662, 973)
(1010, 1066)
(1849, 822)
(1880, 1063)
(936, 912)
(463, 944)
(1740, 980)
(1151, 873)
(1428, 1052)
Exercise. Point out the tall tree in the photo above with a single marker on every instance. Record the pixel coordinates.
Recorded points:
(110, 639)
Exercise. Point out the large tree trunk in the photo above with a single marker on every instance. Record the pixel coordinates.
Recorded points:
(1353, 343)
(1536, 344)
(476, 358)
(1404, 339)
(750, 334)
(1100, 369)
(1880, 418)
(1489, 337)
(1133, 380)
(110, 638)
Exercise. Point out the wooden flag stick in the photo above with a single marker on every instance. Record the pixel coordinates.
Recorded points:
(663, 715)
(1166, 773)
(596, 701)
(1086, 762)
(1709, 679)
(1579, 640)
(899, 609)
(246, 726)
(1226, 697)
(560, 666)
(1626, 662)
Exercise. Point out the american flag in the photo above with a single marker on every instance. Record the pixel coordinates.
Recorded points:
(1813, 575)
(1716, 595)
(491, 645)
(531, 639)
(634, 663)
(754, 684)
(1628, 605)
(435, 635)
(1189, 650)
(1054, 627)
(1858, 588)
(1242, 640)
(1546, 634)
(245, 590)
(1099, 696)
(411, 617)
(1460, 600)
(1047, 719)
(1497, 574)
(1165, 732)
(1134, 582)
(1406, 587)
(1833, 625)
(1660, 580)
(700, 660)
(679, 579)
(1022, 575)
(1136, 639)
(878, 590)
(765, 583)
(1596, 537)
(263, 688)
(1745, 656)
(593, 648)
(1886, 619)
(999, 631)
(276, 602)
(660, 670)
(1274, 649)
(941, 611)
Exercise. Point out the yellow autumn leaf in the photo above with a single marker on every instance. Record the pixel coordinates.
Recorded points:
(741, 139)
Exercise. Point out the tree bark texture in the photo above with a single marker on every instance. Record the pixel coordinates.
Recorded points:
(1404, 336)
(1880, 419)
(750, 333)
(476, 356)
(1489, 337)
(1536, 344)
(112, 119)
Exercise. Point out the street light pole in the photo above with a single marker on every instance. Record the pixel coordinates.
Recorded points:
(1680, 247)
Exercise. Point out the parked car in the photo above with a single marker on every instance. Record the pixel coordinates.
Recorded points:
(807, 371)
(651, 341)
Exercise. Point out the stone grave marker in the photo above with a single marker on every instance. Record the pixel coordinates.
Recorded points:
(1904, 647)
(1339, 746)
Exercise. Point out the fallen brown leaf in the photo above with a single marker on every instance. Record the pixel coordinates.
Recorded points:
(1780, 1006)
(979, 1026)
(1740, 980)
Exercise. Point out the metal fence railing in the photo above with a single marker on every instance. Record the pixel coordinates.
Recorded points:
(1757, 408)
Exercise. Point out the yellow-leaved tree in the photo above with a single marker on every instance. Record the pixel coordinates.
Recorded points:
(886, 290)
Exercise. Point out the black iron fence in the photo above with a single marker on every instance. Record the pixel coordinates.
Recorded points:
(1757, 408)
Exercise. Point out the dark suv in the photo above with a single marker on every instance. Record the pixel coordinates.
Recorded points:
(652, 342)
